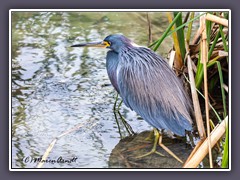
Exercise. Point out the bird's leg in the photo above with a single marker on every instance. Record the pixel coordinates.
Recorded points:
(150, 136)
(115, 115)
(127, 126)
(166, 149)
(154, 149)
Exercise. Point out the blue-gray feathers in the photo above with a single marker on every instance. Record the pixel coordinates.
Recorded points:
(148, 86)
(112, 64)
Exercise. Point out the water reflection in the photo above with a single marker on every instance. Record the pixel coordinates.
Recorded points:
(55, 87)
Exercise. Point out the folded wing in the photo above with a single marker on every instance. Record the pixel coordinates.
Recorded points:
(148, 86)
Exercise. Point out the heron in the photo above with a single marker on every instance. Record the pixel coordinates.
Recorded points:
(148, 86)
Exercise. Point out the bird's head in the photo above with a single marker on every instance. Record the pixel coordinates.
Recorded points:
(117, 41)
(114, 42)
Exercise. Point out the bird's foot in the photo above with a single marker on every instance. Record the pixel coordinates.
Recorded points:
(150, 136)
(168, 150)
(158, 140)
(154, 149)
(149, 153)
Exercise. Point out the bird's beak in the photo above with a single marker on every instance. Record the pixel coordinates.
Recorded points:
(102, 44)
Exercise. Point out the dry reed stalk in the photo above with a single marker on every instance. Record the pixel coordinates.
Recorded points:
(194, 49)
(193, 66)
(198, 34)
(222, 53)
(171, 58)
(178, 58)
(202, 151)
(50, 147)
(212, 127)
(225, 87)
(196, 105)
(149, 30)
(218, 53)
(219, 44)
(204, 59)
(214, 59)
(217, 19)
(194, 151)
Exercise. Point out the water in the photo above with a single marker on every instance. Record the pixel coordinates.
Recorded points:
(56, 87)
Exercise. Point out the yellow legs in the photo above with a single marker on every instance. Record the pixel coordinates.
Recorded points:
(158, 140)
(150, 136)
(154, 149)
(168, 150)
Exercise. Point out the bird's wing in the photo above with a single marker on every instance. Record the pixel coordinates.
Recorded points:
(148, 86)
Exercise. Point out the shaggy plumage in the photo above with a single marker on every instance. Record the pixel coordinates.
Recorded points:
(148, 85)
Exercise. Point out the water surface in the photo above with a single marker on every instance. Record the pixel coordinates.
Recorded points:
(56, 87)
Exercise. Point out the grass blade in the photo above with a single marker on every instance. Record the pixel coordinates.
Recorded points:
(222, 89)
(213, 45)
(180, 35)
(209, 29)
(214, 110)
(225, 150)
(199, 73)
(185, 24)
(223, 39)
(190, 28)
(166, 32)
